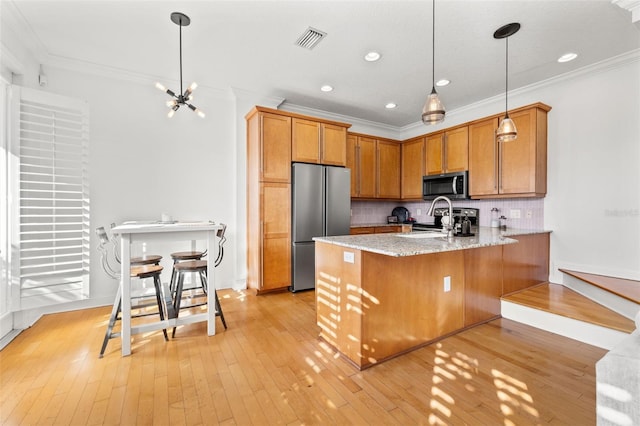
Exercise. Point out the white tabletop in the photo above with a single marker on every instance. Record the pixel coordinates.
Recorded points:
(142, 227)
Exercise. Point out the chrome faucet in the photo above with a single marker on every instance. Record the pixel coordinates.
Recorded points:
(448, 226)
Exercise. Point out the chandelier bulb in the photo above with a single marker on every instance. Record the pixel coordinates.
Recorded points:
(171, 113)
(161, 87)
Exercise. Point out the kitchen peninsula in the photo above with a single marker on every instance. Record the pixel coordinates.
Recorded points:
(382, 295)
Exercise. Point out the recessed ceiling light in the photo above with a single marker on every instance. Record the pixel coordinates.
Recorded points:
(326, 88)
(390, 105)
(442, 82)
(567, 57)
(372, 56)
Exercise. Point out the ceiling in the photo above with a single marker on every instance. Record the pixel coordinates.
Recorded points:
(251, 46)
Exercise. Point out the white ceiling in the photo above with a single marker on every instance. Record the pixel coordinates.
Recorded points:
(251, 46)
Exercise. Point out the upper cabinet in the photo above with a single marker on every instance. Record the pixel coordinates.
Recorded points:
(510, 169)
(448, 151)
(388, 169)
(317, 142)
(413, 168)
(269, 150)
(375, 167)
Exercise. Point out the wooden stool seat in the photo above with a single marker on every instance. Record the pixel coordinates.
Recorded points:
(191, 266)
(187, 255)
(149, 259)
(145, 271)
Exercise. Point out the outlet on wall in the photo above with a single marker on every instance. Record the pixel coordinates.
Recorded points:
(418, 212)
(529, 214)
(447, 284)
(514, 213)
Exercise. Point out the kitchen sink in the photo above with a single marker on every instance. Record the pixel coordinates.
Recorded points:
(423, 234)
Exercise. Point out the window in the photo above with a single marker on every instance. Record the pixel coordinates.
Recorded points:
(53, 138)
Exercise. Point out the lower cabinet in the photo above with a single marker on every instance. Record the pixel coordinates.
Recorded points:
(359, 230)
(269, 255)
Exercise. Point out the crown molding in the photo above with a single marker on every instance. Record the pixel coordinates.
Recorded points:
(459, 115)
(631, 5)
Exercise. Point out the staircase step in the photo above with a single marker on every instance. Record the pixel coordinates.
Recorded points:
(559, 300)
(628, 289)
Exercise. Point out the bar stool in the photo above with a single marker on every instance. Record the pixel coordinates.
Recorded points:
(141, 271)
(199, 267)
(183, 266)
(182, 256)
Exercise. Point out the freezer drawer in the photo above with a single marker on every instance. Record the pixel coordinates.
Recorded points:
(303, 271)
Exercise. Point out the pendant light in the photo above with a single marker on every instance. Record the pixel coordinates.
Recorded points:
(507, 131)
(182, 98)
(433, 111)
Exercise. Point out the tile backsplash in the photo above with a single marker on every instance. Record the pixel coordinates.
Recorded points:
(530, 210)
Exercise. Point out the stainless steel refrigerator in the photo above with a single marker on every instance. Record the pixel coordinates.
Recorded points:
(321, 206)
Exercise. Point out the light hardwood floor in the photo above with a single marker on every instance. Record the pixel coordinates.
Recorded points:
(270, 368)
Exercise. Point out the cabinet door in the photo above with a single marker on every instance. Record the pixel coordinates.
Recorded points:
(456, 150)
(435, 154)
(388, 154)
(276, 236)
(305, 145)
(518, 158)
(275, 148)
(351, 163)
(333, 149)
(413, 165)
(483, 166)
(366, 151)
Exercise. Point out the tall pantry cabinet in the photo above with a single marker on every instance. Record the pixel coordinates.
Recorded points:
(275, 139)
(268, 200)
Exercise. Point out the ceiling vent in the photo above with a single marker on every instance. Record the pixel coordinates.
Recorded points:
(310, 38)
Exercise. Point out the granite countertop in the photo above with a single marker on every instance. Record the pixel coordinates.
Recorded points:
(398, 245)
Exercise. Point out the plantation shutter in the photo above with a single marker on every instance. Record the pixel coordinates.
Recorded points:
(54, 198)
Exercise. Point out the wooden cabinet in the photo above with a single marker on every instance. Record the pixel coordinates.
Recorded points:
(276, 236)
(388, 169)
(509, 169)
(319, 143)
(272, 150)
(413, 168)
(359, 230)
(375, 167)
(361, 159)
(448, 151)
(268, 200)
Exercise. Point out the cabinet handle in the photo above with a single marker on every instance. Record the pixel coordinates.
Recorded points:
(445, 167)
(496, 158)
(358, 168)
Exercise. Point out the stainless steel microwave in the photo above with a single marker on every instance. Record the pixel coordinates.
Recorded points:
(453, 185)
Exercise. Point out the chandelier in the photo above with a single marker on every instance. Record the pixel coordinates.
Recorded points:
(183, 97)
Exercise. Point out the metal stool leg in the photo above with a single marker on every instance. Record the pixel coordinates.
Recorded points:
(157, 284)
(117, 303)
(219, 309)
(177, 300)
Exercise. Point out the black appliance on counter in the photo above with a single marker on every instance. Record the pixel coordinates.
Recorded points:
(400, 215)
(459, 213)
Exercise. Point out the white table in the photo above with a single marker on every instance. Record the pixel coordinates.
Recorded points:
(133, 232)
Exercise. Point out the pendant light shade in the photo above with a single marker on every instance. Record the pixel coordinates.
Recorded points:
(507, 131)
(181, 98)
(433, 111)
